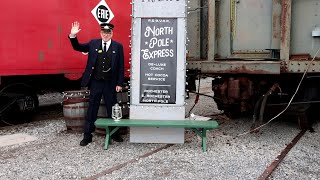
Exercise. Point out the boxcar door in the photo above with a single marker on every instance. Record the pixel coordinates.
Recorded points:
(251, 25)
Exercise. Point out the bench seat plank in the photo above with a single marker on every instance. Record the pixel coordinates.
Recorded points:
(200, 127)
(103, 122)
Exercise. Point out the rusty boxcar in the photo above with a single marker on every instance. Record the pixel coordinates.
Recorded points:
(252, 47)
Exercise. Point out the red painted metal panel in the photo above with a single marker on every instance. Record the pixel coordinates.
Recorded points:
(34, 35)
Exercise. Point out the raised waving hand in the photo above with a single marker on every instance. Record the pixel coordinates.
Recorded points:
(75, 28)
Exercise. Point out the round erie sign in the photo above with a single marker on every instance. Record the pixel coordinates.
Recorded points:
(102, 13)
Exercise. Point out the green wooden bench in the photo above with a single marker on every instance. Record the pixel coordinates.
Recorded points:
(200, 127)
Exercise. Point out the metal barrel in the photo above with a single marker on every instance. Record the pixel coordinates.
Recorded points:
(75, 105)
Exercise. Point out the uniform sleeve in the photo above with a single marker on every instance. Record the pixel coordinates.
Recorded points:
(77, 46)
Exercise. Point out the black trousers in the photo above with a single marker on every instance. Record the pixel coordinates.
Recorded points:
(97, 89)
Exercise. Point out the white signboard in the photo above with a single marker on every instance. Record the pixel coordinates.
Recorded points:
(158, 68)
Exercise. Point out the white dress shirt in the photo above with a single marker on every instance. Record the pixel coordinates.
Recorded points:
(108, 44)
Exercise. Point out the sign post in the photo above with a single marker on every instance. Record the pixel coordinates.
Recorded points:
(158, 68)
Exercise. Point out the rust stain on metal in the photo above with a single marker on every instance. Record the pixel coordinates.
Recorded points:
(233, 88)
(50, 44)
(60, 29)
(276, 33)
(280, 157)
(300, 57)
(246, 87)
(284, 20)
(284, 67)
(195, 59)
(41, 56)
(60, 34)
(242, 69)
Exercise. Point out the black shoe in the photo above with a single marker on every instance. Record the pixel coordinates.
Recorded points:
(85, 142)
(117, 138)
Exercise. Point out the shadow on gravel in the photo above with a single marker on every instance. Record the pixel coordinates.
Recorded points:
(44, 112)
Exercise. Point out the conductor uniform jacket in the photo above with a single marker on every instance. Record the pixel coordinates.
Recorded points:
(93, 47)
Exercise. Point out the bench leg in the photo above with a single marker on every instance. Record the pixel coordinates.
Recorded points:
(204, 140)
(107, 141)
(203, 134)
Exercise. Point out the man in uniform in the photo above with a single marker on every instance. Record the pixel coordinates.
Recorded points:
(104, 74)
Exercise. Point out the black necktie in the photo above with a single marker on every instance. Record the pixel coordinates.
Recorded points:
(105, 47)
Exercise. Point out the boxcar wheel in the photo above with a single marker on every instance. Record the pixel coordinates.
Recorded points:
(19, 102)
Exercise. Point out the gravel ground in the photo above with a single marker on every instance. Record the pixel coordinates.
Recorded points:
(50, 98)
(303, 161)
(56, 153)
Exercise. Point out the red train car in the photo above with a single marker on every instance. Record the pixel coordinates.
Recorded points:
(35, 49)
